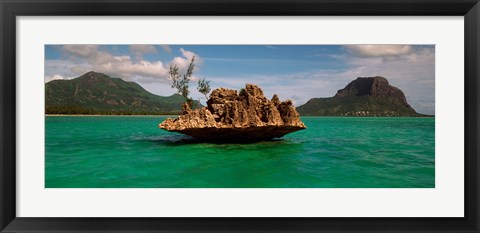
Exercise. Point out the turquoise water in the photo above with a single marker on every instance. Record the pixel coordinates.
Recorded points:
(131, 152)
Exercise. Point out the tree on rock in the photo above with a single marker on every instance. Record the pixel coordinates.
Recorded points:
(204, 87)
(181, 82)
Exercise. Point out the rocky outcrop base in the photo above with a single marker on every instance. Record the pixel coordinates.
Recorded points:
(237, 116)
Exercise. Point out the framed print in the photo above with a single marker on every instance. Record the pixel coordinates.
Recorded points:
(199, 116)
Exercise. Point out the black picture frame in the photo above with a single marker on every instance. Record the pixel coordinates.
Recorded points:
(10, 9)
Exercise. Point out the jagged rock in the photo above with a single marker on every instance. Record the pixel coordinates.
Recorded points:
(186, 108)
(234, 116)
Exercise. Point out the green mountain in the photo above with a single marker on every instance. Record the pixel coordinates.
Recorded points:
(97, 93)
(369, 96)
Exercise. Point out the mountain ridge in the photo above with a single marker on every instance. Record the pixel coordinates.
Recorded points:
(99, 94)
(364, 96)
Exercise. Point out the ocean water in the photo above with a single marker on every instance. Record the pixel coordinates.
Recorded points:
(333, 152)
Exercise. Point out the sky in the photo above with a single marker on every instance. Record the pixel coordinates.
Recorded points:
(296, 72)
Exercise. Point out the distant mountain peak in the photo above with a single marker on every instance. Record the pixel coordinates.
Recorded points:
(98, 93)
(364, 96)
(366, 86)
(93, 74)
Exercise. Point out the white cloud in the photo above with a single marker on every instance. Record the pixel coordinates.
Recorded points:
(378, 50)
(63, 68)
(80, 50)
(49, 78)
(84, 58)
(143, 48)
(166, 48)
(188, 54)
(140, 49)
(79, 70)
(183, 62)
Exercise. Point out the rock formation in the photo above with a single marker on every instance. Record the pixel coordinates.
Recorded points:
(232, 116)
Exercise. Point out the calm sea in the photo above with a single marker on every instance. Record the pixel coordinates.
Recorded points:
(131, 152)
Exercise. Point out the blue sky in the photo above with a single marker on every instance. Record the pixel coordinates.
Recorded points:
(297, 72)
